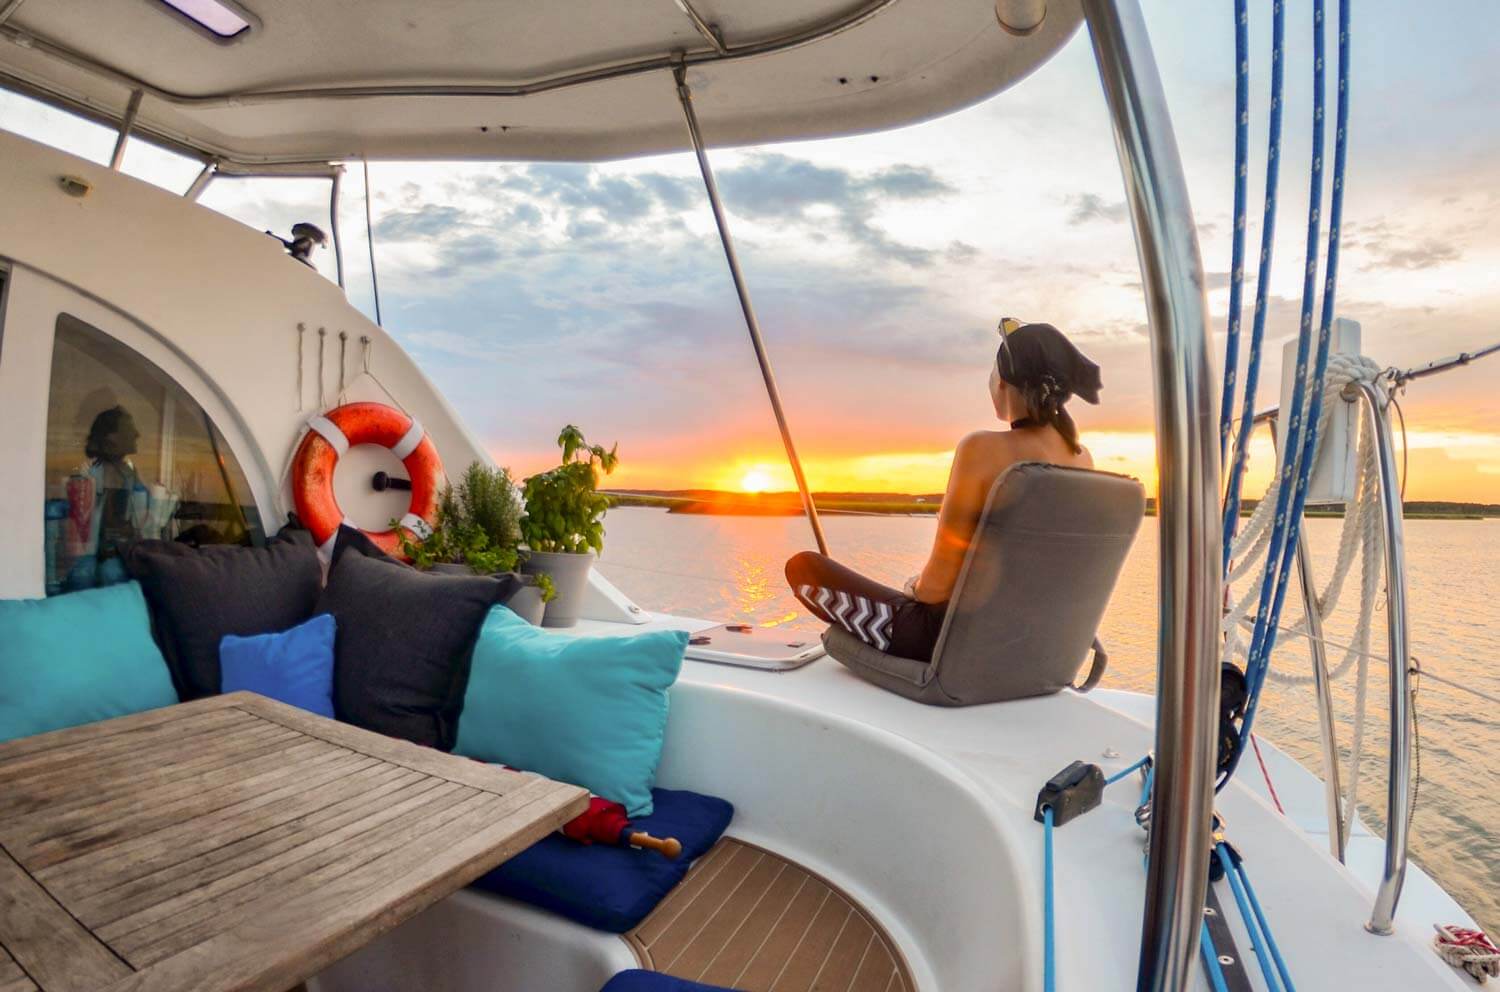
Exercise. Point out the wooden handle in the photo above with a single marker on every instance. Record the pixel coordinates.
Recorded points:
(668, 847)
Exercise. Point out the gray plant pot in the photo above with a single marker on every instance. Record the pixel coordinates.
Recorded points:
(527, 604)
(570, 576)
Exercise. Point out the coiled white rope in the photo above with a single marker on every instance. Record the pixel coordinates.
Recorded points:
(1361, 533)
(1470, 950)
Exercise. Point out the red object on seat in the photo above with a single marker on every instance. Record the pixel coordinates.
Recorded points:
(603, 822)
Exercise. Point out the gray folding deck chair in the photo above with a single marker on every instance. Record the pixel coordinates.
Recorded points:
(1044, 561)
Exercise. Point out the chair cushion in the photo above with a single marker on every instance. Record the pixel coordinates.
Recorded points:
(197, 595)
(294, 667)
(587, 710)
(607, 887)
(636, 980)
(77, 658)
(405, 643)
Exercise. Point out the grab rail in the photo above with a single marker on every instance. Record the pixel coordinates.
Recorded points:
(1399, 773)
(1398, 786)
(1190, 572)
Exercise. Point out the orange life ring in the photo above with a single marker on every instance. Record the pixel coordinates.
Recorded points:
(335, 432)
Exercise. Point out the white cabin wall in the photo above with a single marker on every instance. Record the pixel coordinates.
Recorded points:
(225, 297)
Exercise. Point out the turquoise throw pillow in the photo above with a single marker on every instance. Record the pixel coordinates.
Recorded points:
(587, 710)
(78, 658)
(294, 667)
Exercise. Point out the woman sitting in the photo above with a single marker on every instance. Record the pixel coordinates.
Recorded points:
(1036, 371)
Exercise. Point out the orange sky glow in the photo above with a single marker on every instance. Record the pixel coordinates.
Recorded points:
(1442, 464)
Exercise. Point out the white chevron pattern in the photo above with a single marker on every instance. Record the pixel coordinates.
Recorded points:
(865, 618)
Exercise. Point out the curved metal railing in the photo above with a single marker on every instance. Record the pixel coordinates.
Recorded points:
(1190, 572)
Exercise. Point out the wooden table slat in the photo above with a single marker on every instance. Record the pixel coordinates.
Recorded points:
(489, 778)
(57, 795)
(54, 948)
(349, 799)
(201, 831)
(12, 974)
(69, 747)
(150, 795)
(101, 837)
(236, 843)
(338, 847)
(327, 919)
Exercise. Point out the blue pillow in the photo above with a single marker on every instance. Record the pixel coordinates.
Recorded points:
(294, 667)
(636, 980)
(78, 658)
(587, 710)
(607, 887)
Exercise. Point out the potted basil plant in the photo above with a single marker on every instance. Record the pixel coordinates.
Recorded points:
(563, 526)
(477, 529)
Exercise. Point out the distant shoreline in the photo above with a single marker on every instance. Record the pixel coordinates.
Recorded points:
(714, 502)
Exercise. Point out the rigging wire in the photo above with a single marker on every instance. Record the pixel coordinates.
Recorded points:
(370, 242)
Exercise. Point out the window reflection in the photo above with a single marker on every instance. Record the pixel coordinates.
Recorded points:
(130, 456)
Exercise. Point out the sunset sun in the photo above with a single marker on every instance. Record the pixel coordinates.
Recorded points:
(755, 481)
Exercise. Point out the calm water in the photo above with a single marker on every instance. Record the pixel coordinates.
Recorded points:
(730, 568)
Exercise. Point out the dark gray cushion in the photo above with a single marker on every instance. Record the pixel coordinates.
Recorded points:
(1038, 575)
(405, 644)
(197, 595)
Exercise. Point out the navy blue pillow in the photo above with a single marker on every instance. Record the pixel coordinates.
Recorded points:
(294, 667)
(607, 887)
(636, 980)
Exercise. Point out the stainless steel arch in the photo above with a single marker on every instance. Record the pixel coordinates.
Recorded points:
(1189, 582)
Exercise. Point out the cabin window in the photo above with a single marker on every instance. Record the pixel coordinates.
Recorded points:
(130, 456)
(222, 20)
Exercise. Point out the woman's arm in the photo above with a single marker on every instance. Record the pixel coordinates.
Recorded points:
(973, 464)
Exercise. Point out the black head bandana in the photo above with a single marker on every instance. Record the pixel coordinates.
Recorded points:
(1048, 370)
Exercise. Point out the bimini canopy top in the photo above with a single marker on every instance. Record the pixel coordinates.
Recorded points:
(254, 82)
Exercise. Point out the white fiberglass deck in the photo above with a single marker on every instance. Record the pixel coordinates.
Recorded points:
(793, 751)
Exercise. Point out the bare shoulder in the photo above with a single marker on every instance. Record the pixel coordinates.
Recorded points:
(984, 443)
(1085, 458)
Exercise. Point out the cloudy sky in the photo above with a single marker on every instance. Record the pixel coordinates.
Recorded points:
(536, 295)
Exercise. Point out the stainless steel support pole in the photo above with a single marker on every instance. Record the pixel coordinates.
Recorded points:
(685, 95)
(370, 241)
(201, 181)
(1398, 788)
(333, 224)
(1190, 564)
(132, 109)
(1338, 834)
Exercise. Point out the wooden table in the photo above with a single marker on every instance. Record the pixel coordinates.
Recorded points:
(235, 843)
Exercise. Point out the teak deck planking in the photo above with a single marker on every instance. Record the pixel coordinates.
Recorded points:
(749, 919)
(236, 843)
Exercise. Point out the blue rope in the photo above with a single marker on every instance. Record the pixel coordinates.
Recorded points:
(1237, 262)
(1265, 929)
(1124, 772)
(1299, 449)
(1267, 969)
(1211, 961)
(1049, 935)
(1262, 285)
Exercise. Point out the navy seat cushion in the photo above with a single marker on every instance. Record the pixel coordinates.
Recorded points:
(636, 980)
(607, 887)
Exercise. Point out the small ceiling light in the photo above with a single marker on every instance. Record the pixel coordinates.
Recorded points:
(223, 20)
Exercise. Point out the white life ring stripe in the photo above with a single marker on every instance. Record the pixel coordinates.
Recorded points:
(417, 526)
(410, 440)
(330, 432)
